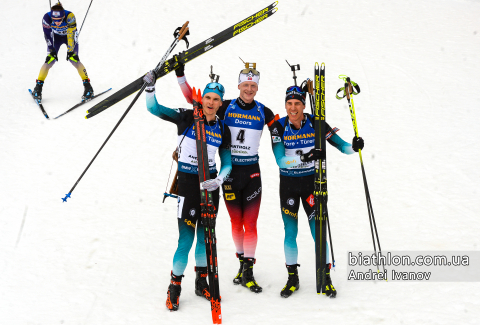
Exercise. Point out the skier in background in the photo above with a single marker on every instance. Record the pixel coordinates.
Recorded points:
(242, 190)
(60, 27)
(293, 136)
(189, 211)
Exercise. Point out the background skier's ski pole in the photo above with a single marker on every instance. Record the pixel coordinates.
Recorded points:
(78, 35)
(178, 37)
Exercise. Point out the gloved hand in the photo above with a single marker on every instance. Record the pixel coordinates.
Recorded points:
(311, 155)
(211, 184)
(150, 78)
(357, 143)
(72, 56)
(180, 71)
(196, 99)
(51, 56)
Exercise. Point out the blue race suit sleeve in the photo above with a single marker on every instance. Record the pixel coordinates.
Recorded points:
(340, 144)
(47, 31)
(165, 113)
(282, 160)
(226, 163)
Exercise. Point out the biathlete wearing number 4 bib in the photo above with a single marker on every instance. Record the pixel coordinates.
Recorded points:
(243, 189)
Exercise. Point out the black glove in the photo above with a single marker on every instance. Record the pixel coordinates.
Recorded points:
(180, 71)
(72, 56)
(311, 155)
(357, 143)
(150, 78)
(51, 56)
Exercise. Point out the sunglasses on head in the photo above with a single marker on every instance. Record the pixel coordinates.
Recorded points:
(216, 85)
(295, 88)
(252, 70)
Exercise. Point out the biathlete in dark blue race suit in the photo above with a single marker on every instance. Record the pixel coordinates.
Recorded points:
(293, 137)
(189, 213)
(60, 27)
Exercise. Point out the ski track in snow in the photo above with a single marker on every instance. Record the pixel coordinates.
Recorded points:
(105, 256)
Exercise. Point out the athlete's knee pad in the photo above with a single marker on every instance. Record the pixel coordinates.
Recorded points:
(50, 60)
(73, 57)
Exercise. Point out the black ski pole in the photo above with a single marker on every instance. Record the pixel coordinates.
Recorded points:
(178, 37)
(78, 35)
(330, 238)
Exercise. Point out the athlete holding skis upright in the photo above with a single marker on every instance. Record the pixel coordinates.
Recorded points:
(60, 27)
(189, 211)
(294, 135)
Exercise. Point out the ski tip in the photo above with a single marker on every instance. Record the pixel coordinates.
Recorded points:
(66, 197)
(322, 65)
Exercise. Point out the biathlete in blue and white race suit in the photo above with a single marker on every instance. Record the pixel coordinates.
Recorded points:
(189, 214)
(60, 27)
(293, 137)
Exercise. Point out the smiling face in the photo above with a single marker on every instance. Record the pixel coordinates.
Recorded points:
(211, 102)
(248, 90)
(295, 110)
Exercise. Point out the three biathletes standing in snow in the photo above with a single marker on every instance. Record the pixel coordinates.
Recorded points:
(241, 122)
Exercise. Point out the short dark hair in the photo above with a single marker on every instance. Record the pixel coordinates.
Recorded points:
(58, 7)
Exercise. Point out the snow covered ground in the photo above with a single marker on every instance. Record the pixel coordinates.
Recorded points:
(105, 256)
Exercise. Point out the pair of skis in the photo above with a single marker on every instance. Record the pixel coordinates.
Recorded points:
(320, 193)
(40, 105)
(207, 207)
(316, 90)
(187, 56)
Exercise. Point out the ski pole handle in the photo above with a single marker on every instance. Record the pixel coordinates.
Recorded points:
(310, 86)
(183, 30)
(348, 88)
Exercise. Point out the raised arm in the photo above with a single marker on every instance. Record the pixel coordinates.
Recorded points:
(165, 113)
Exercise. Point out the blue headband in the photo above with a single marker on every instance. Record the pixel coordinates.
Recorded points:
(57, 14)
(214, 87)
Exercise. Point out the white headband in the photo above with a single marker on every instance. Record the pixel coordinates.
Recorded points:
(248, 77)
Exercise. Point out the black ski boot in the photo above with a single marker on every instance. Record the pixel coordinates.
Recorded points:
(201, 285)
(238, 279)
(329, 288)
(37, 91)
(247, 275)
(293, 283)
(173, 293)
(88, 92)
